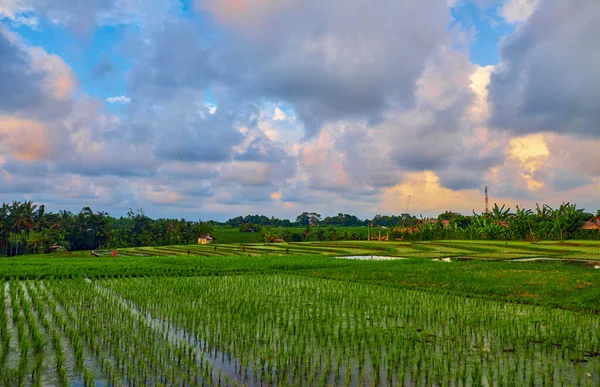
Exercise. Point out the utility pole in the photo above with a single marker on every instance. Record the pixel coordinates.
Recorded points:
(406, 212)
(487, 210)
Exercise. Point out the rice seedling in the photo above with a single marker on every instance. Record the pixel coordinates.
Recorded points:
(279, 321)
(275, 320)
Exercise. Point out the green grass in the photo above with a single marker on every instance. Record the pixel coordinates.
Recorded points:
(556, 284)
(494, 250)
(294, 313)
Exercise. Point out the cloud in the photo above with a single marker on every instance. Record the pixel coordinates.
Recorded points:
(25, 140)
(81, 16)
(279, 115)
(514, 11)
(337, 61)
(278, 107)
(548, 79)
(36, 85)
(120, 99)
(20, 82)
(428, 197)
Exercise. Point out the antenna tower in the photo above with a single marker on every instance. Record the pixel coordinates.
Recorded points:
(487, 210)
(406, 212)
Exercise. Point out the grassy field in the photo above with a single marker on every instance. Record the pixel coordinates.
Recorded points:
(294, 314)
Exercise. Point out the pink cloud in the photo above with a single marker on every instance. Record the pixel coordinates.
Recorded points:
(249, 15)
(25, 140)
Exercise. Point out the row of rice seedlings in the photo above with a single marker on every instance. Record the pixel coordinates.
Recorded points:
(8, 370)
(284, 329)
(38, 341)
(44, 309)
(63, 317)
(4, 330)
(141, 353)
(21, 331)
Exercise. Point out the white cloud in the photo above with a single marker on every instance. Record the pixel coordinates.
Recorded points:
(119, 99)
(515, 11)
(279, 115)
(212, 109)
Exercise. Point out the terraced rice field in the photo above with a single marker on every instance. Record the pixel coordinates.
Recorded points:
(582, 250)
(283, 329)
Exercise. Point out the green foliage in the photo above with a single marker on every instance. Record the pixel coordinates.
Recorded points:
(26, 228)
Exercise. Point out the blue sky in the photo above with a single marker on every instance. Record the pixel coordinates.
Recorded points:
(215, 108)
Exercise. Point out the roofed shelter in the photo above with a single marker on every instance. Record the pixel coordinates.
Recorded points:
(205, 239)
(592, 224)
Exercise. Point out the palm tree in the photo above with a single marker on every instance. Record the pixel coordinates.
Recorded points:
(37, 240)
(4, 227)
(41, 218)
(17, 225)
(28, 213)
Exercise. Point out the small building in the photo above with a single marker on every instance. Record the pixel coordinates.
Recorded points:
(592, 224)
(372, 236)
(55, 248)
(278, 240)
(418, 226)
(206, 239)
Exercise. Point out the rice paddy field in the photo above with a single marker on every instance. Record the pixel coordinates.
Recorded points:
(447, 313)
(489, 250)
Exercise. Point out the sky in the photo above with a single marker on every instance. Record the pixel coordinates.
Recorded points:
(209, 109)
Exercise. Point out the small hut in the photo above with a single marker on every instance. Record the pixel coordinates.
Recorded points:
(205, 239)
(592, 224)
(55, 248)
(372, 236)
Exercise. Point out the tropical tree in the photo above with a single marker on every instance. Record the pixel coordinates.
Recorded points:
(567, 219)
(500, 214)
(521, 225)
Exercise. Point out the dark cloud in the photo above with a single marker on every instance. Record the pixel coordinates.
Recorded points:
(22, 184)
(338, 60)
(456, 179)
(197, 189)
(549, 78)
(563, 179)
(20, 82)
(341, 60)
(238, 195)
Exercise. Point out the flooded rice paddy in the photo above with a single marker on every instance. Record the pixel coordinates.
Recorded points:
(267, 330)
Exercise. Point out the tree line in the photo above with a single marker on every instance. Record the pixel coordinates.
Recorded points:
(26, 227)
(316, 219)
(541, 223)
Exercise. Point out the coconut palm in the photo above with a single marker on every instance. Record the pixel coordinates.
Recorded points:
(41, 219)
(4, 227)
